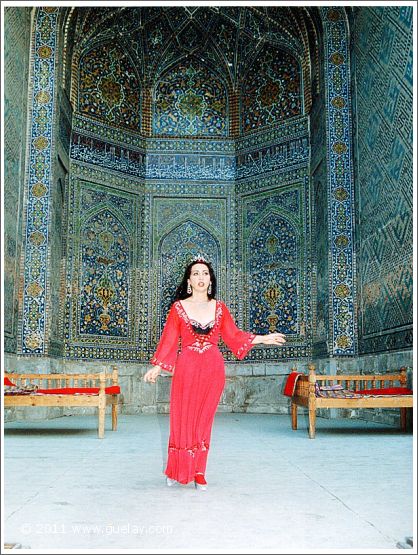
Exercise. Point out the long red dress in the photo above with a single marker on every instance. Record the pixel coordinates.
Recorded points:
(198, 381)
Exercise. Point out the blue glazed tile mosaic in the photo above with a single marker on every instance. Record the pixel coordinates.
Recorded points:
(340, 183)
(175, 156)
(34, 310)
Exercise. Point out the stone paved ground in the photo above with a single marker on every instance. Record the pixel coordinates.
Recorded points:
(270, 488)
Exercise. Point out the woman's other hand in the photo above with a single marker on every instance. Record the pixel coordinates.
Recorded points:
(152, 374)
(274, 339)
(270, 339)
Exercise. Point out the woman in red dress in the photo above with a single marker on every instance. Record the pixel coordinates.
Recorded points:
(199, 321)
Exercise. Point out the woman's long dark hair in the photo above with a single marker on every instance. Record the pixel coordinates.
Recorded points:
(181, 292)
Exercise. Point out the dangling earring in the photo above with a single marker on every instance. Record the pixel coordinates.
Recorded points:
(189, 289)
(210, 288)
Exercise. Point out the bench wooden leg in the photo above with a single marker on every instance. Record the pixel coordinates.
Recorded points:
(102, 414)
(403, 419)
(115, 414)
(312, 421)
(294, 409)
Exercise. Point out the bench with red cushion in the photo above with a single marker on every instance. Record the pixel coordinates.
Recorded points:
(25, 390)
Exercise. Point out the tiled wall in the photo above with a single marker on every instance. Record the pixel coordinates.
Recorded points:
(17, 35)
(269, 201)
(382, 65)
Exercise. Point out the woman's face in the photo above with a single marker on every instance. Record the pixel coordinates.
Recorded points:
(199, 277)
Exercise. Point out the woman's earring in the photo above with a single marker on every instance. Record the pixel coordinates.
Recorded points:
(189, 289)
(210, 289)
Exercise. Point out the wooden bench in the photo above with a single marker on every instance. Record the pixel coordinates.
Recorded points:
(307, 386)
(68, 390)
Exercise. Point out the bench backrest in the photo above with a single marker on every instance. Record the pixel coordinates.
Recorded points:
(353, 382)
(52, 381)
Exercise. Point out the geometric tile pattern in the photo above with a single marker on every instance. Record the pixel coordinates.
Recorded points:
(104, 281)
(271, 90)
(321, 343)
(109, 88)
(182, 214)
(140, 207)
(275, 245)
(230, 38)
(340, 183)
(16, 40)
(190, 100)
(106, 132)
(101, 318)
(272, 262)
(385, 176)
(35, 310)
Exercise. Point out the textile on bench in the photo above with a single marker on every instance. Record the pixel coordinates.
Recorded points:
(347, 391)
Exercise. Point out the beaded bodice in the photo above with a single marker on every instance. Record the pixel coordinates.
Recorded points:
(201, 329)
(199, 338)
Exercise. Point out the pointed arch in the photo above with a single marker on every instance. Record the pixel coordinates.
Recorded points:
(104, 276)
(175, 250)
(273, 269)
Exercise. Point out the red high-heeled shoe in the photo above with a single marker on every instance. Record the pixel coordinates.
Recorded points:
(200, 482)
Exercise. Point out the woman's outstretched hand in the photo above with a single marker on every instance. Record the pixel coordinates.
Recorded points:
(270, 339)
(152, 374)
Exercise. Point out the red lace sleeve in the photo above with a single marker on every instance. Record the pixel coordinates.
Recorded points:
(167, 348)
(240, 342)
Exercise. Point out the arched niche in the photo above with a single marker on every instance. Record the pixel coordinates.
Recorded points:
(104, 280)
(177, 248)
(273, 274)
